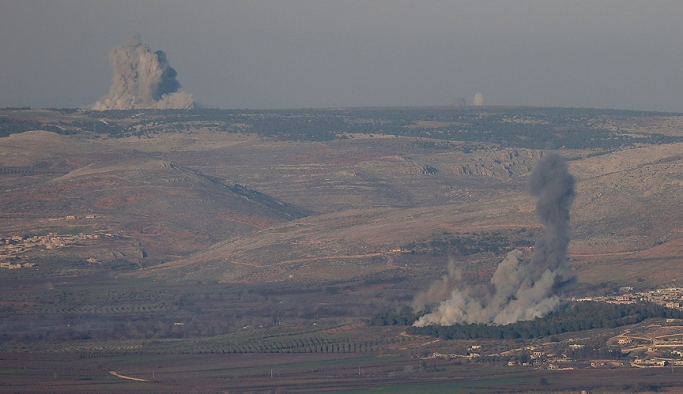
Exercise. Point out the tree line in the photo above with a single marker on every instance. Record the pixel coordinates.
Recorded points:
(574, 317)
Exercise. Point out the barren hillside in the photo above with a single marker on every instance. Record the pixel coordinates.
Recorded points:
(241, 205)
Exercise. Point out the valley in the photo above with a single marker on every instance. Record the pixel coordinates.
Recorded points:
(203, 249)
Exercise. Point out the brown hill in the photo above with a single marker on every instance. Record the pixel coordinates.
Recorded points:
(165, 210)
(627, 202)
(372, 195)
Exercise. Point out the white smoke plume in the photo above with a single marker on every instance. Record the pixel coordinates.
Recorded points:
(478, 100)
(522, 289)
(142, 80)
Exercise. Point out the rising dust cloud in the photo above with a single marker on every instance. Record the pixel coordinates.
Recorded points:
(522, 289)
(478, 100)
(142, 80)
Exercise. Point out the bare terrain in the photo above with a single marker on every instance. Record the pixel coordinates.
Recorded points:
(185, 235)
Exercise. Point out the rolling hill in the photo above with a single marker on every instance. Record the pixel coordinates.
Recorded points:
(248, 207)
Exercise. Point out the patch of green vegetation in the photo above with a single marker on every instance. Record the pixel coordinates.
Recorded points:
(401, 317)
(11, 370)
(467, 244)
(9, 126)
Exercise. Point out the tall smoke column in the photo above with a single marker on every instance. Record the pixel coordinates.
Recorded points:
(554, 186)
(142, 79)
(523, 290)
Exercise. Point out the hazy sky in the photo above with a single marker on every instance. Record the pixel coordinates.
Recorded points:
(299, 54)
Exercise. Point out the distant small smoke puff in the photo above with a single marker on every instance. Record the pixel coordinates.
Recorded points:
(478, 100)
(142, 79)
(459, 102)
(524, 290)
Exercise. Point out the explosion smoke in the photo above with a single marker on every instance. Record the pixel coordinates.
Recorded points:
(142, 80)
(478, 100)
(523, 290)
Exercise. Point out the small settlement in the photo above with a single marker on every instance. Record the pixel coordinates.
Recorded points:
(14, 248)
